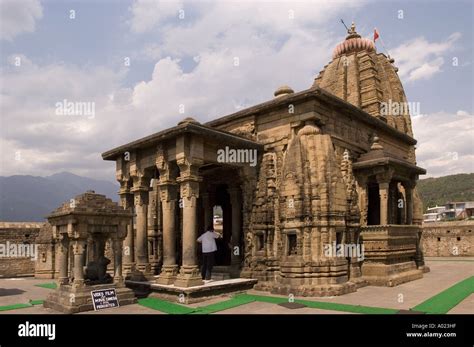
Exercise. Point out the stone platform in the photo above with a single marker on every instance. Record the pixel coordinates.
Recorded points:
(67, 299)
(188, 295)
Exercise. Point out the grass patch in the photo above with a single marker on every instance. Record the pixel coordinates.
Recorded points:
(51, 285)
(165, 306)
(446, 300)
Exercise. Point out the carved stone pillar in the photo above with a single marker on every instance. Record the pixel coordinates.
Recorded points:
(78, 250)
(126, 201)
(363, 201)
(63, 260)
(117, 245)
(154, 207)
(384, 184)
(236, 202)
(140, 191)
(189, 179)
(409, 201)
(168, 197)
(393, 203)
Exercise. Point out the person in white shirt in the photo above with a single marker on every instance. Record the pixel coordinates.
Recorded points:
(209, 247)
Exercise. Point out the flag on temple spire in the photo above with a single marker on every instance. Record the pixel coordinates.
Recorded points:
(376, 34)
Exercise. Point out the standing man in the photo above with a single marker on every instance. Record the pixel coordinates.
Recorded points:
(209, 247)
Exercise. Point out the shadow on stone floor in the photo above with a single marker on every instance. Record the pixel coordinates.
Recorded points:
(10, 291)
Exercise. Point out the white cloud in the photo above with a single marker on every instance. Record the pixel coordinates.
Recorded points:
(272, 49)
(46, 140)
(18, 16)
(445, 142)
(149, 13)
(419, 59)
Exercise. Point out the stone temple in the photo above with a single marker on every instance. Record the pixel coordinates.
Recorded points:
(332, 169)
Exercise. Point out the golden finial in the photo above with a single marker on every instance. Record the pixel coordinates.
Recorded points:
(352, 33)
(352, 30)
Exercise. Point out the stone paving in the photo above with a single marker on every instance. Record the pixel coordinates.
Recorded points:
(444, 273)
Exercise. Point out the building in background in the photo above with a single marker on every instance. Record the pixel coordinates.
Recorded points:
(450, 211)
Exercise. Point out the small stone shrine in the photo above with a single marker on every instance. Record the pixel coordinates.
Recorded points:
(81, 228)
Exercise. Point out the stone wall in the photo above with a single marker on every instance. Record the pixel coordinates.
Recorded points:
(47, 264)
(448, 239)
(12, 235)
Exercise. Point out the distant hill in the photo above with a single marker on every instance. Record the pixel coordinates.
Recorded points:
(30, 198)
(440, 190)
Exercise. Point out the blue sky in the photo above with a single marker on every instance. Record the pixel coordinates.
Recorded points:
(176, 60)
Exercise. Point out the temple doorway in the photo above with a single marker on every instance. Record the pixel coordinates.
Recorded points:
(373, 209)
(222, 218)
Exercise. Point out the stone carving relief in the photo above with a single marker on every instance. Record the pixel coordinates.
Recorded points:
(246, 130)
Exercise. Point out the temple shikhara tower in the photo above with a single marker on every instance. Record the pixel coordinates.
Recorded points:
(334, 171)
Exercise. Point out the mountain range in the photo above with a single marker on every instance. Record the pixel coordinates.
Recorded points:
(31, 198)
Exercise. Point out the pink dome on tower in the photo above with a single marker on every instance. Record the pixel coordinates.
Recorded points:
(353, 43)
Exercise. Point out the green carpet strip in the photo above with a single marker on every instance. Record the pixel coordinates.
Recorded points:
(18, 306)
(14, 307)
(447, 299)
(165, 306)
(331, 306)
(51, 285)
(224, 305)
(242, 299)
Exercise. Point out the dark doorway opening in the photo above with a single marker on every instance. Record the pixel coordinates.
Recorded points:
(223, 257)
(373, 208)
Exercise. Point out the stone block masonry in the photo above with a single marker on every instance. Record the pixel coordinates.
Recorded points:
(448, 239)
(17, 233)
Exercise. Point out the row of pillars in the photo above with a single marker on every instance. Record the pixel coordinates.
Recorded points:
(188, 183)
(80, 259)
(385, 193)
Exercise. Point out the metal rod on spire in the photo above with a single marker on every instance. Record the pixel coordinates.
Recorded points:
(345, 25)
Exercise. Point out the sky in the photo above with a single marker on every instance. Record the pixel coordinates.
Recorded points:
(142, 66)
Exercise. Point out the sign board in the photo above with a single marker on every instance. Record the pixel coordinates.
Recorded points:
(104, 298)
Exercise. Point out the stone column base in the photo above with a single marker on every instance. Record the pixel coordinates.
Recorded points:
(63, 281)
(141, 272)
(144, 267)
(155, 267)
(128, 268)
(168, 274)
(189, 276)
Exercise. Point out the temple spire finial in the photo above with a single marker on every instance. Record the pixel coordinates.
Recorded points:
(352, 33)
(352, 30)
